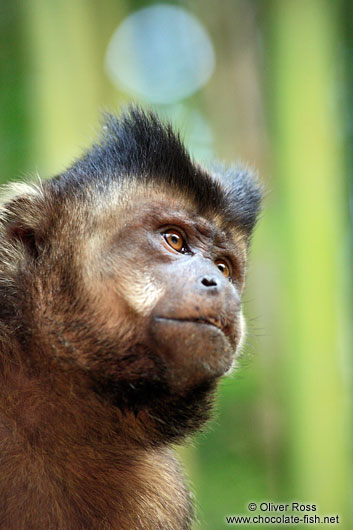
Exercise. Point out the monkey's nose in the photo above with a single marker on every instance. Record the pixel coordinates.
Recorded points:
(210, 281)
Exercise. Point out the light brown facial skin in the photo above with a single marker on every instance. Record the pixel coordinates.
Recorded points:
(184, 309)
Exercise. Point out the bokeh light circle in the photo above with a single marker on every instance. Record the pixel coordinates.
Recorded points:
(161, 53)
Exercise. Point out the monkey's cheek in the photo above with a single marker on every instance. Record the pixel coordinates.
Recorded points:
(193, 352)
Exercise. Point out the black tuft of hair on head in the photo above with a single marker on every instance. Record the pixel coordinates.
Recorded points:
(139, 147)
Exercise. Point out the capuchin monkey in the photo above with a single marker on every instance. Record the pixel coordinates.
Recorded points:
(120, 283)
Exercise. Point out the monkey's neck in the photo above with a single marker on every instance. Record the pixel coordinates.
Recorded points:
(72, 455)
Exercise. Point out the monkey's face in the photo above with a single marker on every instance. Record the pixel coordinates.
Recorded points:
(170, 291)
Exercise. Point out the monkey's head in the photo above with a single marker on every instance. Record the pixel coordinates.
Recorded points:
(130, 268)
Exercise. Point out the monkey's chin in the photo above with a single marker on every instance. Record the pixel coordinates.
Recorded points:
(193, 351)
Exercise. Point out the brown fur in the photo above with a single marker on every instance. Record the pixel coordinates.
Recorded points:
(69, 462)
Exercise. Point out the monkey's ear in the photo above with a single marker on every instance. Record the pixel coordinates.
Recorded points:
(31, 240)
(23, 218)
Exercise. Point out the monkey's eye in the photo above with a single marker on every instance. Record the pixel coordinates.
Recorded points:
(175, 240)
(223, 267)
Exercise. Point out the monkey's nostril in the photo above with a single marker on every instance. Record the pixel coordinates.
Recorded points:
(208, 281)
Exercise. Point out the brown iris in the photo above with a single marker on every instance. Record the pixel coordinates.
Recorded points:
(223, 267)
(174, 239)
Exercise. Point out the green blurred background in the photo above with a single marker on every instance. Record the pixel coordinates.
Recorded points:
(274, 91)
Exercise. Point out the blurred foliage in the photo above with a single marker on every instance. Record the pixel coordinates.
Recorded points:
(279, 99)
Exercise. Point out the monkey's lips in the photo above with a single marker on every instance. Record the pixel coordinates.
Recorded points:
(203, 321)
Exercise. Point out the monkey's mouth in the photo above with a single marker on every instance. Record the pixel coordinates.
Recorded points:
(195, 348)
(206, 321)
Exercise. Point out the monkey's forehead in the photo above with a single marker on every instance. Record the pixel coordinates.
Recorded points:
(156, 206)
(233, 204)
